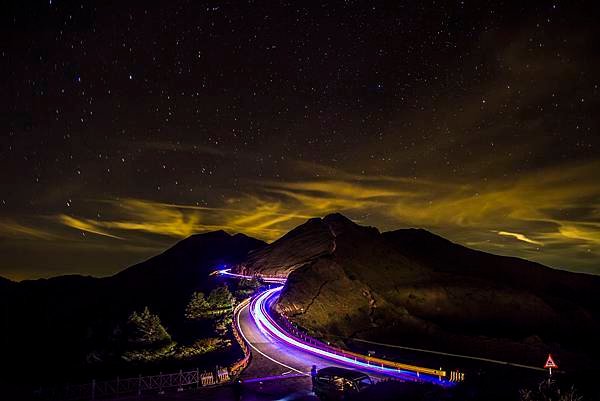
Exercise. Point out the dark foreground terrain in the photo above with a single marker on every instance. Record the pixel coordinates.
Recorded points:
(67, 329)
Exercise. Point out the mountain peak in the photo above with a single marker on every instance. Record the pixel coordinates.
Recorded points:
(303, 244)
(338, 224)
(418, 235)
(337, 217)
(216, 233)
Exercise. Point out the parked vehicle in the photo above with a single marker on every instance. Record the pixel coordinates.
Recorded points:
(333, 383)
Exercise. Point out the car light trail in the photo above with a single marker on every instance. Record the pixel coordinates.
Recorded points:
(260, 314)
(259, 310)
(237, 312)
(227, 272)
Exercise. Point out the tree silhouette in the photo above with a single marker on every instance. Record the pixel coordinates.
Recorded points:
(198, 307)
(220, 298)
(144, 330)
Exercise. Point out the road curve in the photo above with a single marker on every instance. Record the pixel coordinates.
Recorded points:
(276, 353)
(270, 356)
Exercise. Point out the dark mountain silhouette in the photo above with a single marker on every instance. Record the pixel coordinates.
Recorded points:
(412, 287)
(4, 282)
(445, 256)
(51, 325)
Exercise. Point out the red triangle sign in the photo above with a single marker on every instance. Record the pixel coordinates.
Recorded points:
(550, 363)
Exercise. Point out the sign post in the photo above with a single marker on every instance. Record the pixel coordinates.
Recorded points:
(550, 364)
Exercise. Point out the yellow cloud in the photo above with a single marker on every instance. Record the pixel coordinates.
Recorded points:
(260, 218)
(87, 225)
(342, 189)
(520, 237)
(532, 204)
(12, 229)
(581, 232)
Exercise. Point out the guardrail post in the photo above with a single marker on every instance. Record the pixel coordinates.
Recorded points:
(197, 378)
(160, 383)
(139, 392)
(180, 388)
(93, 389)
(118, 381)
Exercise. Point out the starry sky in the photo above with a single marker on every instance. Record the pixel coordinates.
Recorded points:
(127, 126)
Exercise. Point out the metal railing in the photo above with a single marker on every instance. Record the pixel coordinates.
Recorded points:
(140, 385)
(293, 330)
(240, 365)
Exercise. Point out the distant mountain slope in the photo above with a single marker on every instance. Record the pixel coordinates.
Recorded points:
(5, 282)
(301, 245)
(445, 256)
(415, 288)
(181, 269)
(51, 324)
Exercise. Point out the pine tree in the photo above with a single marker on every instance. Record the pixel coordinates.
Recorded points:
(145, 330)
(198, 307)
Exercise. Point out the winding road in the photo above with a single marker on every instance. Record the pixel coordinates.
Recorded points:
(281, 363)
(277, 353)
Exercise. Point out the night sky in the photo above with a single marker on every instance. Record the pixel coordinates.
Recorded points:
(129, 126)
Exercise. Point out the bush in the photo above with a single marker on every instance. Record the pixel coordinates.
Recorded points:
(221, 298)
(151, 355)
(548, 390)
(218, 302)
(200, 347)
(251, 284)
(223, 324)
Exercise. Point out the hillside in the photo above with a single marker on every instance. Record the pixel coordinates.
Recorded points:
(54, 324)
(411, 287)
(298, 247)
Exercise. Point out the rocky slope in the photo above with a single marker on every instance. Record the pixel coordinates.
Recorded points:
(411, 287)
(302, 245)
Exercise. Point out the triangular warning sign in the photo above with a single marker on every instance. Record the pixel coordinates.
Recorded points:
(550, 363)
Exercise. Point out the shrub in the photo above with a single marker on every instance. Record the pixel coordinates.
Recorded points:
(548, 390)
(221, 298)
(199, 347)
(151, 355)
